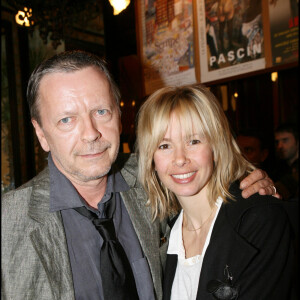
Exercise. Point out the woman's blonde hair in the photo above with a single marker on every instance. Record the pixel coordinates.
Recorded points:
(197, 109)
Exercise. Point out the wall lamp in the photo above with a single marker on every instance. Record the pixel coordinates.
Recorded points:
(274, 76)
(23, 17)
(119, 5)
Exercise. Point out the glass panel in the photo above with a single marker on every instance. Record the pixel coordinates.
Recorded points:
(7, 168)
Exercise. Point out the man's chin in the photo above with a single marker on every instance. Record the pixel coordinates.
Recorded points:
(91, 177)
(84, 176)
(93, 171)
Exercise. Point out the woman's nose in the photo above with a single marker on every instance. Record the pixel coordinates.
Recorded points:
(180, 157)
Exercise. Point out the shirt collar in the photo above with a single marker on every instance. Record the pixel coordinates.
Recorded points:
(63, 194)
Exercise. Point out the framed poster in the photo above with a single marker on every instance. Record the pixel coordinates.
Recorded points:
(231, 38)
(284, 30)
(166, 43)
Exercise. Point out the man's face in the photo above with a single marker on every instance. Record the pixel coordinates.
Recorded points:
(80, 123)
(251, 149)
(286, 146)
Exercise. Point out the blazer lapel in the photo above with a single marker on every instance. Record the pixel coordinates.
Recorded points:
(226, 248)
(148, 232)
(171, 265)
(165, 231)
(49, 241)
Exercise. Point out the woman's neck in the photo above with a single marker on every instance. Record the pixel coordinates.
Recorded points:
(196, 210)
(198, 215)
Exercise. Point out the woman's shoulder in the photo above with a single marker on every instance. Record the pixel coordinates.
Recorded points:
(263, 207)
(253, 200)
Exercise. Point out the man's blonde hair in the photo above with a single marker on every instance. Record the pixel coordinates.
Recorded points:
(197, 109)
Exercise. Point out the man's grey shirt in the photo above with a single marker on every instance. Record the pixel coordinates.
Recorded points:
(84, 241)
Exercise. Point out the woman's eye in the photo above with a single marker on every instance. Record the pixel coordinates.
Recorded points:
(163, 146)
(194, 142)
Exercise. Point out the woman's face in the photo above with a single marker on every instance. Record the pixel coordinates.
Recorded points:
(184, 163)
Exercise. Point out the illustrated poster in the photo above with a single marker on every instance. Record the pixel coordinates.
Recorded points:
(168, 43)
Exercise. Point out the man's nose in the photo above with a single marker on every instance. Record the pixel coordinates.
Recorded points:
(279, 144)
(90, 132)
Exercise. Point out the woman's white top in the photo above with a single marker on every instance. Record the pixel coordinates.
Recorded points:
(186, 280)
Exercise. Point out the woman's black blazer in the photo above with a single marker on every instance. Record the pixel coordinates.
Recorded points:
(252, 240)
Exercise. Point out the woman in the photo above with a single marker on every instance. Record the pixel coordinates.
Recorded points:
(221, 246)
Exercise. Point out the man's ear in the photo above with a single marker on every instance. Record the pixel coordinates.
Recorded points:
(40, 135)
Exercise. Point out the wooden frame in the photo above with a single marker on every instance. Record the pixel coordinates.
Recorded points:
(261, 61)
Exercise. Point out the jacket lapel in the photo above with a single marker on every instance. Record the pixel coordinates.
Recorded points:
(226, 248)
(171, 266)
(165, 231)
(49, 241)
(148, 232)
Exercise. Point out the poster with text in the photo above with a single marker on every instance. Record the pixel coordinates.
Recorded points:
(168, 43)
(231, 40)
(284, 28)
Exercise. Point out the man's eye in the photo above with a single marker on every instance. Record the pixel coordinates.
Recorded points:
(101, 112)
(248, 150)
(65, 120)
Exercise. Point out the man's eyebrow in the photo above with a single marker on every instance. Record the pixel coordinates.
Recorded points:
(66, 113)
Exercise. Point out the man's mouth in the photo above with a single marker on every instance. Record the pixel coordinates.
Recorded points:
(93, 154)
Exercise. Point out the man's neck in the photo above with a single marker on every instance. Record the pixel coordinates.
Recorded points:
(93, 191)
(293, 159)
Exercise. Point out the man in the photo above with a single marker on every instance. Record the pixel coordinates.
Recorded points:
(255, 147)
(287, 143)
(225, 12)
(49, 249)
(287, 169)
(287, 180)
